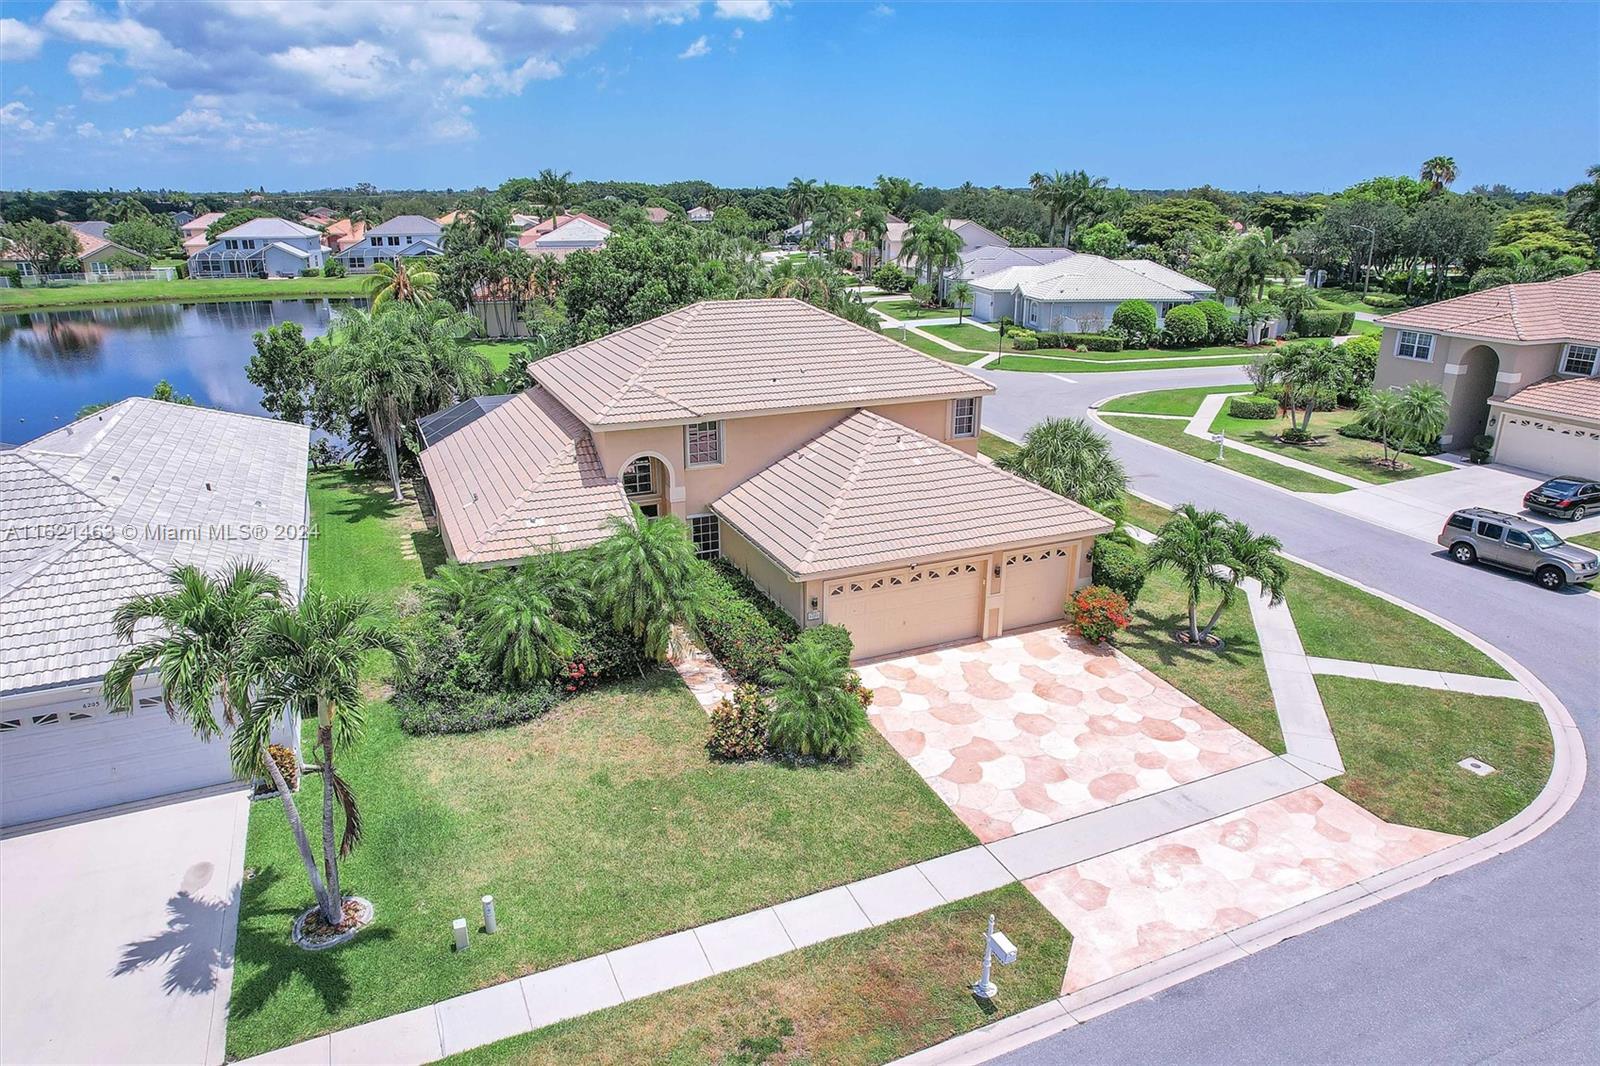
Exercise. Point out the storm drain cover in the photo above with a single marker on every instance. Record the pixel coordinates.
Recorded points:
(1477, 766)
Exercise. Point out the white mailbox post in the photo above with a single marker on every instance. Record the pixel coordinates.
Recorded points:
(1219, 438)
(996, 945)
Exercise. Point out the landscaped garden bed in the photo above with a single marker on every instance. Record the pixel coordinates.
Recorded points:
(1170, 433)
(1331, 450)
(1098, 363)
(910, 310)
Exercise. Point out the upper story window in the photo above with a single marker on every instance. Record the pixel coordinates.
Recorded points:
(964, 417)
(394, 242)
(247, 244)
(1580, 359)
(1415, 346)
(230, 244)
(703, 443)
(637, 479)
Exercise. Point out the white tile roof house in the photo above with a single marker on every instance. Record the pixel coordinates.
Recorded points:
(92, 514)
(1080, 292)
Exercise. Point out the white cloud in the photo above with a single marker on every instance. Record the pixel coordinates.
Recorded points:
(87, 65)
(16, 118)
(19, 41)
(88, 129)
(141, 46)
(456, 127)
(883, 11)
(738, 33)
(358, 71)
(754, 10)
(698, 48)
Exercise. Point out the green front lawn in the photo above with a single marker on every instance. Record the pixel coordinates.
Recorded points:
(911, 310)
(1348, 300)
(1168, 401)
(499, 352)
(1347, 455)
(994, 446)
(1401, 744)
(1098, 363)
(182, 290)
(1587, 540)
(933, 348)
(1339, 621)
(364, 542)
(1169, 433)
(868, 997)
(971, 337)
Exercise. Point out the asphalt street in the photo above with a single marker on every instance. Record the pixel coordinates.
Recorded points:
(1500, 962)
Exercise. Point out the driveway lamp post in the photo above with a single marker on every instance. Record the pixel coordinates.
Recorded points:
(996, 945)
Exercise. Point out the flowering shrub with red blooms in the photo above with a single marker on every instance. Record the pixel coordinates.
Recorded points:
(1099, 612)
(578, 675)
(853, 685)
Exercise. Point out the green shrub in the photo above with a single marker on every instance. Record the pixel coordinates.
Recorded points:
(1138, 322)
(922, 293)
(1482, 448)
(817, 712)
(1094, 342)
(1219, 320)
(741, 627)
(1187, 326)
(1321, 322)
(1118, 563)
(311, 272)
(333, 268)
(891, 278)
(1023, 341)
(739, 726)
(488, 710)
(1383, 300)
(1253, 407)
(1049, 338)
(835, 638)
(12, 275)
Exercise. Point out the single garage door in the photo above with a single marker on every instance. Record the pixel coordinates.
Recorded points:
(909, 608)
(69, 757)
(1547, 447)
(1037, 583)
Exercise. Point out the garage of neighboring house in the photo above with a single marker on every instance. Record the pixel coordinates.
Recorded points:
(905, 541)
(1550, 427)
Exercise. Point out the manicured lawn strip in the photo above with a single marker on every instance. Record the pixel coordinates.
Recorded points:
(1169, 432)
(1400, 747)
(1168, 401)
(1349, 300)
(1587, 540)
(499, 352)
(1143, 513)
(910, 309)
(1232, 683)
(970, 336)
(1362, 328)
(182, 290)
(365, 543)
(994, 446)
(1339, 621)
(864, 998)
(1347, 455)
(1148, 353)
(928, 347)
(602, 824)
(1081, 365)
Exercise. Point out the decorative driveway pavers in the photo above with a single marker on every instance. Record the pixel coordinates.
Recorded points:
(1033, 728)
(1147, 901)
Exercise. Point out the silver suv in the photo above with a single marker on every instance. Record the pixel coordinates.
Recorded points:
(1478, 533)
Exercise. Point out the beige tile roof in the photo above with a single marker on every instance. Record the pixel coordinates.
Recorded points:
(522, 479)
(742, 357)
(1577, 397)
(870, 491)
(1565, 309)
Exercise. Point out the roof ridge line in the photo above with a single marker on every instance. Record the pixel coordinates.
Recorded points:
(22, 453)
(850, 478)
(649, 360)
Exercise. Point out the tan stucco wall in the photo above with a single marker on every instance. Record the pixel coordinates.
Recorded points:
(1463, 377)
(750, 445)
(786, 593)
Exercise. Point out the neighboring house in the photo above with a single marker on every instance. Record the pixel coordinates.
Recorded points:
(1078, 293)
(993, 258)
(973, 237)
(701, 214)
(564, 234)
(261, 248)
(194, 232)
(403, 236)
(181, 218)
(93, 228)
(341, 234)
(657, 215)
(97, 512)
(96, 255)
(322, 214)
(836, 468)
(1518, 362)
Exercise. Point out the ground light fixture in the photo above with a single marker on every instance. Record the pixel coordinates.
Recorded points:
(996, 945)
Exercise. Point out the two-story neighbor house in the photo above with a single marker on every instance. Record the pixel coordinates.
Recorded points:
(972, 234)
(403, 236)
(194, 232)
(836, 468)
(561, 235)
(1519, 363)
(261, 248)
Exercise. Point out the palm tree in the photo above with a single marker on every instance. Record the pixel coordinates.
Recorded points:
(367, 362)
(455, 590)
(1404, 417)
(801, 198)
(1309, 373)
(552, 192)
(814, 712)
(1209, 551)
(643, 573)
(202, 655)
(1079, 193)
(1516, 268)
(489, 223)
(309, 656)
(872, 222)
(452, 369)
(962, 295)
(1070, 458)
(401, 282)
(1439, 171)
(522, 631)
(1048, 190)
(932, 246)
(815, 281)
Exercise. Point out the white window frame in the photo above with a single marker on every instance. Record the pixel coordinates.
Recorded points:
(956, 418)
(696, 525)
(98, 267)
(1592, 353)
(1415, 344)
(689, 432)
(632, 471)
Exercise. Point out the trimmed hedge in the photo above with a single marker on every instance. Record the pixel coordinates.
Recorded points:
(1118, 564)
(1253, 407)
(1187, 326)
(835, 637)
(487, 710)
(1324, 322)
(1219, 320)
(1093, 342)
(744, 629)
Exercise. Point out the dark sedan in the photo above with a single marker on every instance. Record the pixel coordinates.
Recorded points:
(1565, 497)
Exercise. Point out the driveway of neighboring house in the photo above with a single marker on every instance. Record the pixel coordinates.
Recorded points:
(117, 935)
(1029, 729)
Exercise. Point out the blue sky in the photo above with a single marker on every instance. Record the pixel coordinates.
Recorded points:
(225, 94)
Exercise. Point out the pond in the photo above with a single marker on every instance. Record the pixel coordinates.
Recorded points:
(53, 363)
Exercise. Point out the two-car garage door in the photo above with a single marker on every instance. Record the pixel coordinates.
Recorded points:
(1547, 447)
(942, 603)
(69, 756)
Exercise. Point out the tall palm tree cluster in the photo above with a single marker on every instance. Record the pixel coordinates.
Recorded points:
(1065, 196)
(1208, 551)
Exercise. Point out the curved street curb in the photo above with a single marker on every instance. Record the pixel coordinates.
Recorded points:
(1567, 777)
